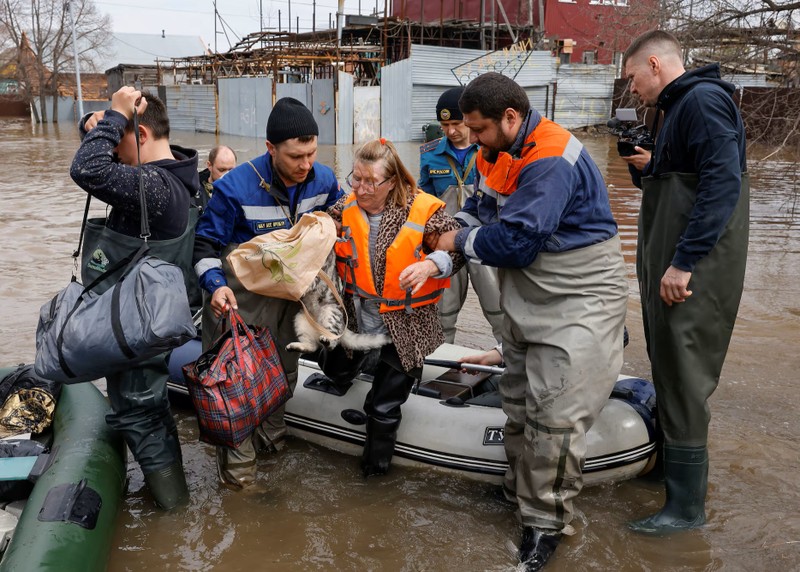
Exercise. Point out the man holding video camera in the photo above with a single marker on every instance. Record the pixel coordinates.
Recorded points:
(691, 254)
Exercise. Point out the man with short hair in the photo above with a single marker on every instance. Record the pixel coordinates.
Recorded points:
(693, 233)
(541, 214)
(221, 159)
(268, 193)
(168, 173)
(446, 171)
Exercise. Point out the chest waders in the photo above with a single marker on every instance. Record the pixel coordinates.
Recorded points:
(103, 247)
(484, 278)
(686, 342)
(237, 467)
(138, 396)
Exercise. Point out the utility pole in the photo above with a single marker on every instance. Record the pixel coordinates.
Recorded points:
(481, 23)
(77, 61)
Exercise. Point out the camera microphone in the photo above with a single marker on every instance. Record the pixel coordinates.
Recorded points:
(613, 123)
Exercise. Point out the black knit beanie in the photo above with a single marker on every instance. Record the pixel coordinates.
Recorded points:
(447, 106)
(290, 119)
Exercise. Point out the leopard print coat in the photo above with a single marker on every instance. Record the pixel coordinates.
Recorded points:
(418, 334)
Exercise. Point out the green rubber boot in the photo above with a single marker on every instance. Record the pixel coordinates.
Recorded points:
(168, 486)
(686, 481)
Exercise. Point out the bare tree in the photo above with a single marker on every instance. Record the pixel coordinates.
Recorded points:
(759, 38)
(41, 31)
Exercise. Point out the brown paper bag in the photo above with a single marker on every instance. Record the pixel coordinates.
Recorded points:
(283, 263)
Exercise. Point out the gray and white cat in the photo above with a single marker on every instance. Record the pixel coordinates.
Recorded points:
(323, 307)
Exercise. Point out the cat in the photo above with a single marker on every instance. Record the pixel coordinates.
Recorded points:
(323, 307)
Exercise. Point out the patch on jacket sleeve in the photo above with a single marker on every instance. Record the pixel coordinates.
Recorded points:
(429, 146)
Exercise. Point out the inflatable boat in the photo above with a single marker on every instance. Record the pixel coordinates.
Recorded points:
(67, 521)
(453, 421)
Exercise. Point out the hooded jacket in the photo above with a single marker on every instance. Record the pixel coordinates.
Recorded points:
(169, 185)
(701, 133)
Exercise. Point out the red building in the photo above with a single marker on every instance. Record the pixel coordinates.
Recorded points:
(581, 31)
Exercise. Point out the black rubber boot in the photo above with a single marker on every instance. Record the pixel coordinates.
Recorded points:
(537, 547)
(686, 481)
(379, 446)
(168, 486)
(390, 388)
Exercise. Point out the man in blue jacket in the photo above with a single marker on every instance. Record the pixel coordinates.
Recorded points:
(541, 215)
(691, 255)
(447, 171)
(268, 193)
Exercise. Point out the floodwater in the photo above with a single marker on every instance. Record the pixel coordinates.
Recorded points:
(312, 510)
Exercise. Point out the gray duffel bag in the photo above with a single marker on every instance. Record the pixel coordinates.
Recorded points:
(83, 335)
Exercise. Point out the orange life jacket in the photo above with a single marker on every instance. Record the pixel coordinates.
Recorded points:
(355, 269)
(548, 140)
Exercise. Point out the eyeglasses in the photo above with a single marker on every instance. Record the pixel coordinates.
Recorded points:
(370, 187)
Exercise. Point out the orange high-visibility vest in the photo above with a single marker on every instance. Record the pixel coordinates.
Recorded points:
(355, 269)
(549, 139)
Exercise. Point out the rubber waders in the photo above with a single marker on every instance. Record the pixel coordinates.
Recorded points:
(379, 446)
(686, 481)
(537, 547)
(168, 486)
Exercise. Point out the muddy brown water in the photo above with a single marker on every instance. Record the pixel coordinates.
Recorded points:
(312, 510)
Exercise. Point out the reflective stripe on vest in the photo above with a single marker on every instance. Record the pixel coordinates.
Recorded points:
(548, 140)
(355, 268)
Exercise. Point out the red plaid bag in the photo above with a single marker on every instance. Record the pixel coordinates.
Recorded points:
(236, 384)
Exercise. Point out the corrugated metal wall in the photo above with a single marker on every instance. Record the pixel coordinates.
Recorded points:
(67, 111)
(299, 91)
(191, 108)
(584, 94)
(431, 75)
(749, 80)
(322, 96)
(396, 101)
(344, 110)
(244, 106)
(366, 113)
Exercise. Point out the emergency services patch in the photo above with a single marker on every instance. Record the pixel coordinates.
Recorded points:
(429, 146)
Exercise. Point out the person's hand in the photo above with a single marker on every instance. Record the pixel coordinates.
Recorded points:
(415, 275)
(223, 300)
(126, 99)
(490, 357)
(674, 286)
(638, 159)
(447, 241)
(92, 121)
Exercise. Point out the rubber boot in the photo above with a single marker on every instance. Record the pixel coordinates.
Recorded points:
(168, 486)
(686, 481)
(537, 547)
(390, 388)
(379, 446)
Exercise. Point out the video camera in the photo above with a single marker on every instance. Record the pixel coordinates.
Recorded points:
(631, 133)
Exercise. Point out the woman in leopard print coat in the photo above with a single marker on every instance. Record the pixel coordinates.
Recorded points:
(385, 192)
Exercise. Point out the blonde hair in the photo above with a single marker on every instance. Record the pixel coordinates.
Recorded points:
(405, 185)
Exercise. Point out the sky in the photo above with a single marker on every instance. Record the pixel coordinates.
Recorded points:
(237, 18)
